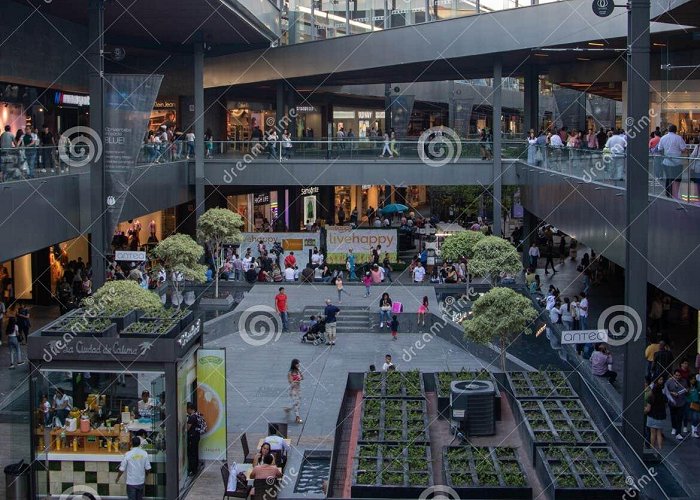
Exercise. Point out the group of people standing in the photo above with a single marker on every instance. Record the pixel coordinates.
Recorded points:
(25, 150)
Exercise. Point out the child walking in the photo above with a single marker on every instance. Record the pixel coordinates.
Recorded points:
(394, 327)
(422, 309)
(367, 280)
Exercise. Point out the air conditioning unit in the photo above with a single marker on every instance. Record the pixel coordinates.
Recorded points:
(472, 406)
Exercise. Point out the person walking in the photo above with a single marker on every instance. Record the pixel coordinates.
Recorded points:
(135, 465)
(367, 281)
(340, 288)
(692, 412)
(422, 309)
(673, 147)
(12, 340)
(281, 308)
(392, 148)
(534, 254)
(294, 378)
(386, 149)
(549, 255)
(195, 428)
(331, 312)
(394, 327)
(655, 410)
(384, 310)
(23, 322)
(418, 272)
(350, 259)
(386, 264)
(675, 393)
(567, 318)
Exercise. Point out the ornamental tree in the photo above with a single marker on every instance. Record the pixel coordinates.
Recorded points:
(126, 293)
(460, 245)
(502, 313)
(181, 257)
(216, 228)
(494, 256)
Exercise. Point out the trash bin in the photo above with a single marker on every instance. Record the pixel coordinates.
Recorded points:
(17, 481)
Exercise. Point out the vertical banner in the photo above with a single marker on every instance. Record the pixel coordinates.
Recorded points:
(602, 110)
(211, 402)
(128, 102)
(572, 108)
(401, 108)
(463, 116)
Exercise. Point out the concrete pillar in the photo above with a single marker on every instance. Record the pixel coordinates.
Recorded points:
(100, 236)
(373, 197)
(199, 128)
(360, 206)
(531, 102)
(637, 223)
(279, 103)
(497, 167)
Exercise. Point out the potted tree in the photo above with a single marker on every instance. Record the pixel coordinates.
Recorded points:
(502, 313)
(216, 228)
(494, 256)
(181, 256)
(461, 245)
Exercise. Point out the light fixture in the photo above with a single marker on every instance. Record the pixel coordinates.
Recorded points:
(659, 44)
(596, 44)
(583, 58)
(541, 55)
(41, 110)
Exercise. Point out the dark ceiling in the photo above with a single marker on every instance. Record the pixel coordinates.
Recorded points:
(164, 25)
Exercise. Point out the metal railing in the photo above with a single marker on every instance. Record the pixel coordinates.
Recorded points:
(670, 176)
(33, 161)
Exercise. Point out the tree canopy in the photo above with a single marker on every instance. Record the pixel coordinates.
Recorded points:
(128, 294)
(493, 256)
(218, 226)
(460, 245)
(181, 254)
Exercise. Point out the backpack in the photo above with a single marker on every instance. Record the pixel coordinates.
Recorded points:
(201, 425)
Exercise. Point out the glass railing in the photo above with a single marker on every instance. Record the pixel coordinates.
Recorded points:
(22, 163)
(669, 176)
(265, 11)
(309, 20)
(357, 149)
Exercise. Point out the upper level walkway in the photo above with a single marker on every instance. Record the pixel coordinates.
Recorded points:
(459, 48)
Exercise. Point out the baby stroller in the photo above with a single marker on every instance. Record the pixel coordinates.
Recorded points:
(314, 334)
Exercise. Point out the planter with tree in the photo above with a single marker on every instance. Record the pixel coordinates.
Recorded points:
(181, 257)
(216, 228)
(495, 258)
(459, 246)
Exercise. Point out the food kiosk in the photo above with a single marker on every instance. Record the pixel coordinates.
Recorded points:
(95, 385)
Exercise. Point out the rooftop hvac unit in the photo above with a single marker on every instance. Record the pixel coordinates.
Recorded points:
(472, 406)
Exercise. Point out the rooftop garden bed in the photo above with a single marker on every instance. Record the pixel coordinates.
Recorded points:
(546, 384)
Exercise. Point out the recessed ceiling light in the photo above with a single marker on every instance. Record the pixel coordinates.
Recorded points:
(596, 44)
(659, 44)
(583, 58)
(541, 55)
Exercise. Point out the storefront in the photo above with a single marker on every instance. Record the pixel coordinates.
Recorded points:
(243, 117)
(259, 210)
(359, 122)
(308, 121)
(72, 110)
(103, 412)
(146, 231)
(165, 112)
(363, 197)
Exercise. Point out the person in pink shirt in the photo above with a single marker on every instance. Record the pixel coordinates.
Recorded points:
(367, 281)
(591, 139)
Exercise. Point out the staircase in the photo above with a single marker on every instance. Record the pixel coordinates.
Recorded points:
(351, 319)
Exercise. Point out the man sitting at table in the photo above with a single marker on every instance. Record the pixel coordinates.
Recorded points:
(266, 471)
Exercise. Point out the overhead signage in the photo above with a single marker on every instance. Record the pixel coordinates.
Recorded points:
(129, 255)
(584, 336)
(261, 199)
(76, 100)
(340, 239)
(165, 104)
(310, 190)
(306, 109)
(603, 8)
(95, 347)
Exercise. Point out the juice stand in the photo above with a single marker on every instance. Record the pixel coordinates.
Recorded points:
(94, 387)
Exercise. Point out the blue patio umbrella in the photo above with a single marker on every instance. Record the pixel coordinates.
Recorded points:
(394, 208)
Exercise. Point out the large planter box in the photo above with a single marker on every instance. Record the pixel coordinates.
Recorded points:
(485, 472)
(391, 471)
(556, 422)
(152, 329)
(442, 384)
(394, 420)
(394, 385)
(183, 316)
(572, 473)
(122, 320)
(77, 325)
(540, 385)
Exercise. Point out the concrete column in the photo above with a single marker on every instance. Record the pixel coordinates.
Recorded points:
(199, 128)
(531, 102)
(451, 104)
(100, 236)
(637, 223)
(373, 197)
(359, 205)
(497, 167)
(279, 103)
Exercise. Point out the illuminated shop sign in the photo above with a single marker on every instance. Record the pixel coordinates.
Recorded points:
(165, 104)
(73, 99)
(261, 199)
(310, 190)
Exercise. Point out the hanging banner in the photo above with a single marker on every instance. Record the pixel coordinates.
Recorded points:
(128, 102)
(299, 243)
(572, 108)
(401, 108)
(463, 116)
(602, 110)
(211, 402)
(340, 239)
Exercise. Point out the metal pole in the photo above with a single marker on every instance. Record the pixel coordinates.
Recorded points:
(99, 233)
(497, 167)
(637, 223)
(347, 17)
(199, 127)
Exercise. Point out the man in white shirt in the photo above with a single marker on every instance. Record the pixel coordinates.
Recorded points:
(315, 259)
(583, 312)
(247, 260)
(145, 405)
(377, 222)
(289, 274)
(534, 254)
(277, 443)
(189, 137)
(387, 363)
(135, 464)
(617, 145)
(418, 273)
(673, 146)
(555, 141)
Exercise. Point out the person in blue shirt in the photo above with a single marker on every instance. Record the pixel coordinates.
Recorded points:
(351, 265)
(330, 311)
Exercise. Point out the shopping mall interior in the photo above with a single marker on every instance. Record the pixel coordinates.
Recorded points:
(355, 144)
